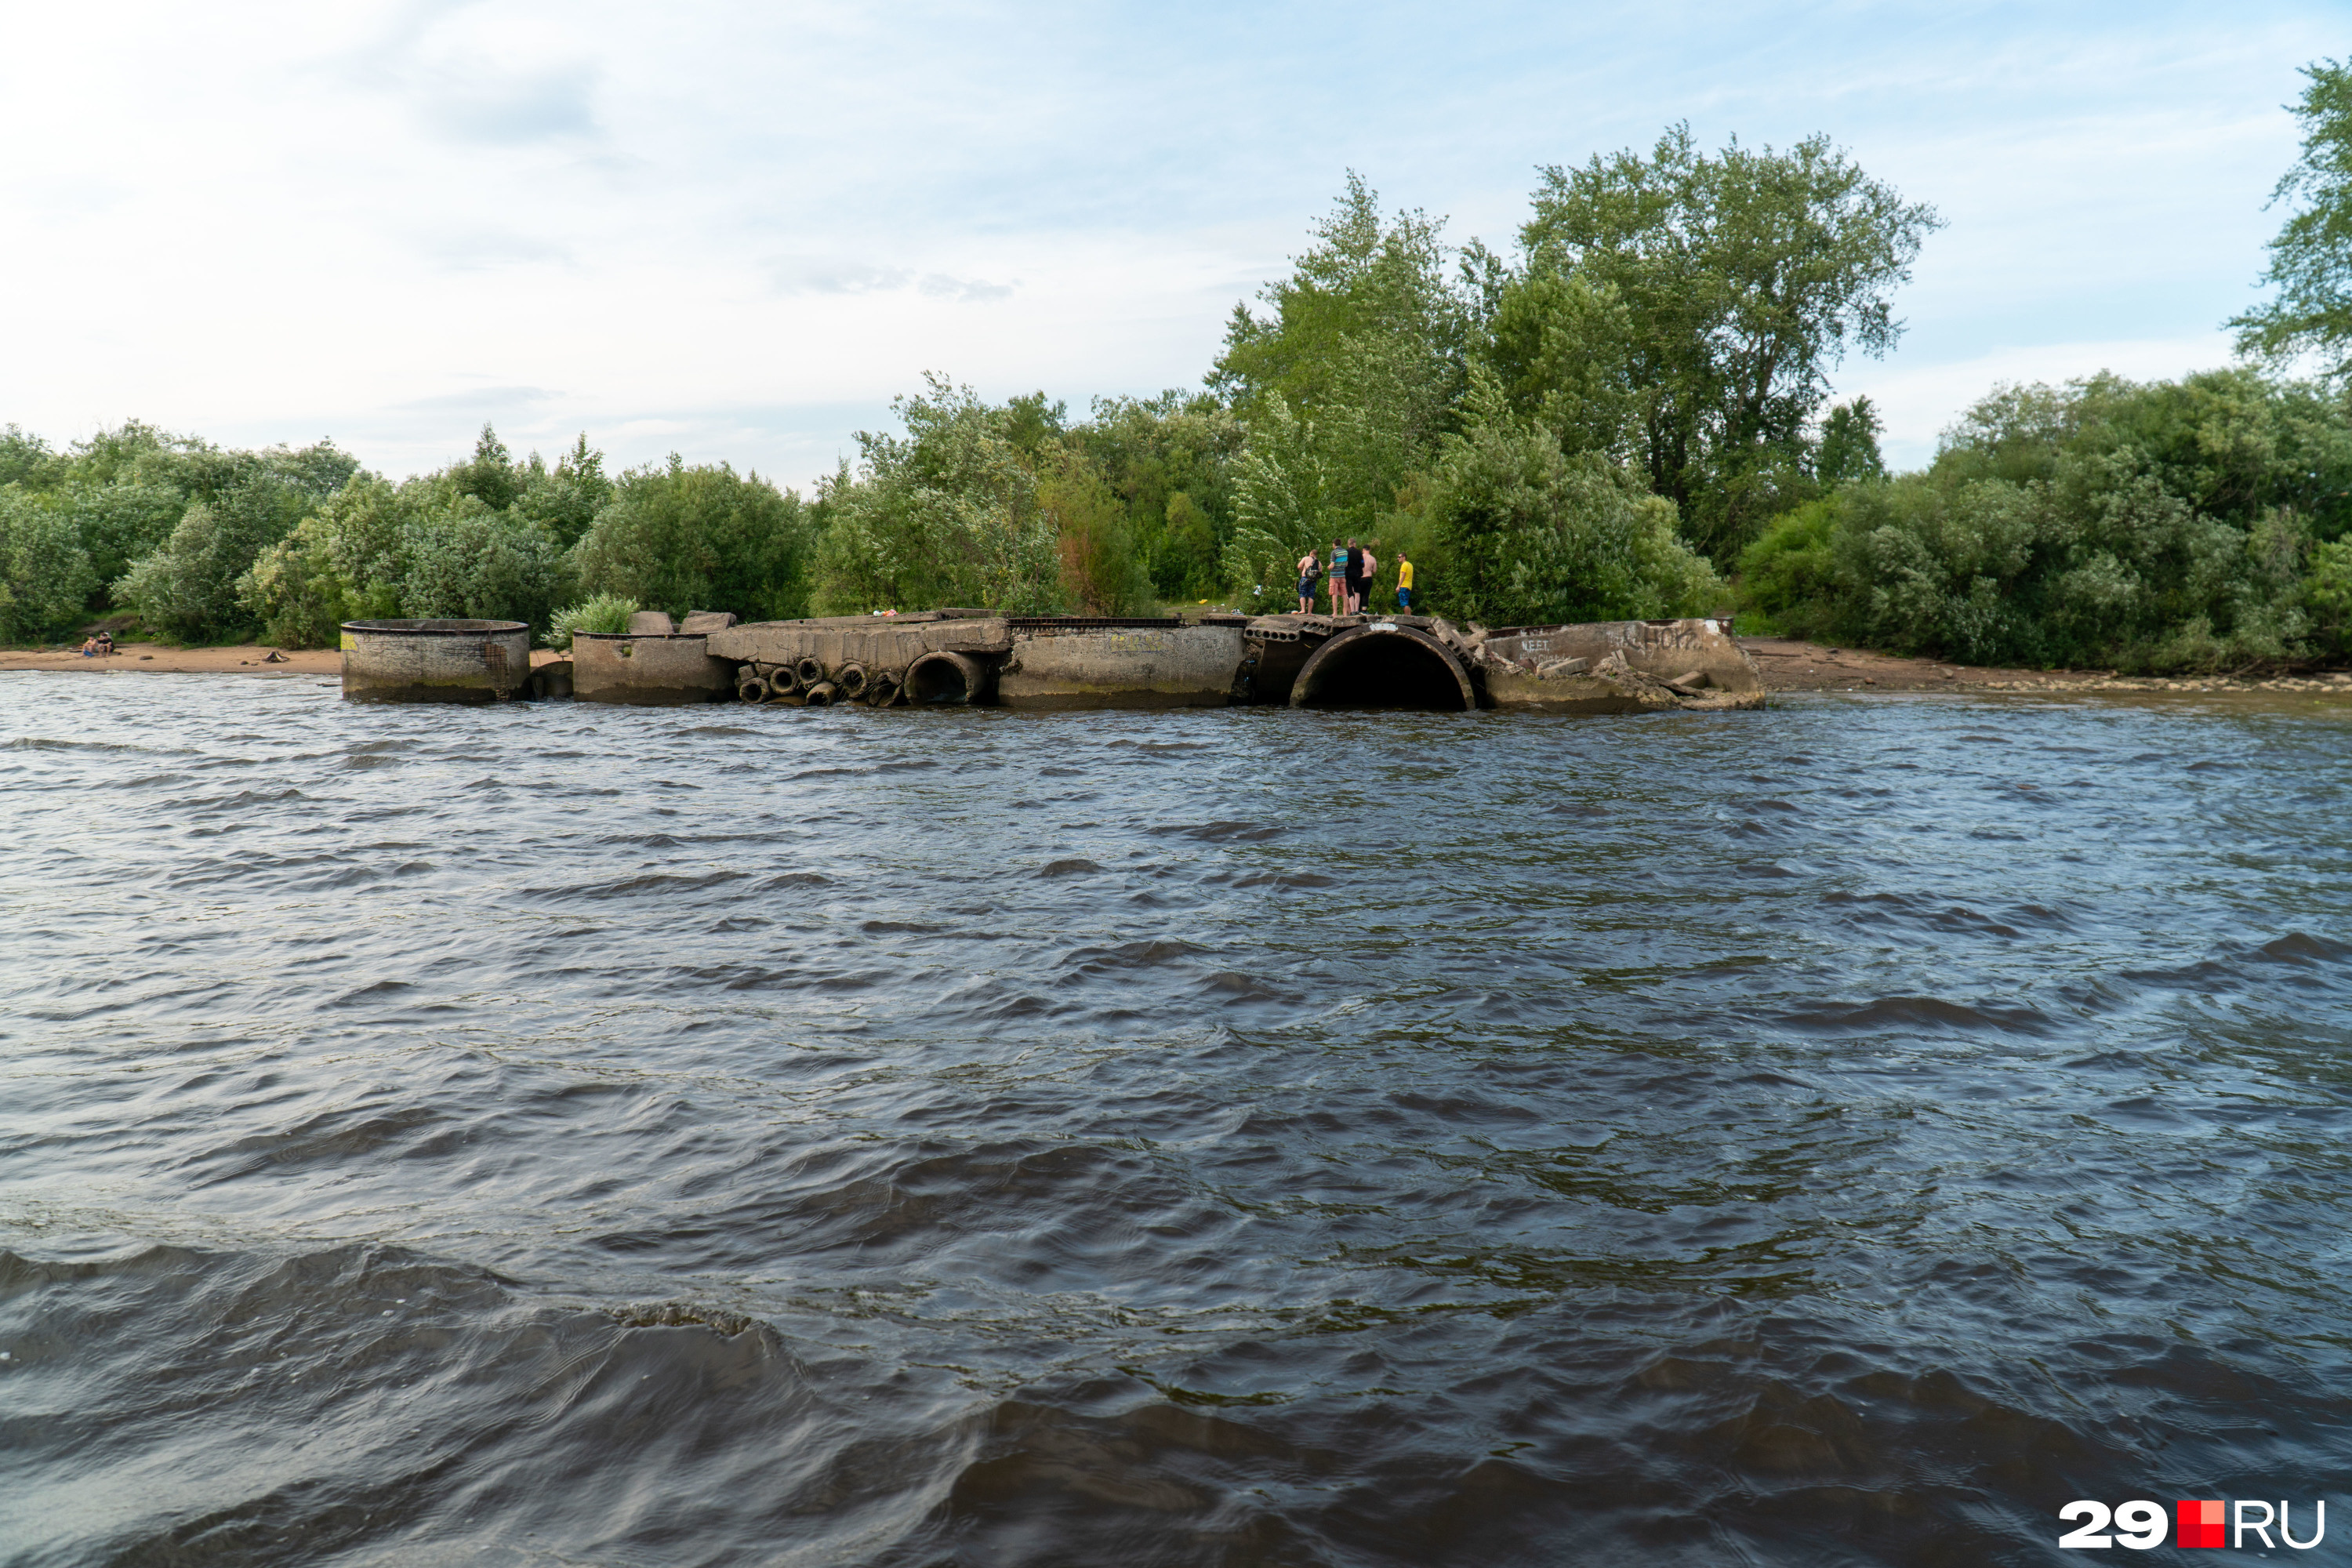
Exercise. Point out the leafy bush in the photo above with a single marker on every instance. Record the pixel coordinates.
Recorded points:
(465, 561)
(599, 613)
(294, 589)
(44, 571)
(186, 588)
(1169, 460)
(343, 563)
(190, 586)
(481, 539)
(1788, 573)
(1521, 533)
(1281, 506)
(945, 514)
(2149, 527)
(1101, 572)
(2328, 592)
(682, 539)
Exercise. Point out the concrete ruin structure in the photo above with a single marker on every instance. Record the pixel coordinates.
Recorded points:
(653, 664)
(1618, 666)
(460, 661)
(972, 659)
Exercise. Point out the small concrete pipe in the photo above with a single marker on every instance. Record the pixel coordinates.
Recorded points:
(751, 689)
(851, 679)
(824, 694)
(810, 670)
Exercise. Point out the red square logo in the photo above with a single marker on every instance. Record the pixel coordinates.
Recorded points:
(2200, 1523)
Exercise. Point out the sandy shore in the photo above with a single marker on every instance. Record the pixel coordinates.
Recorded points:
(1792, 666)
(1787, 666)
(249, 659)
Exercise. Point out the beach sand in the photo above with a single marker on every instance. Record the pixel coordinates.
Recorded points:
(157, 659)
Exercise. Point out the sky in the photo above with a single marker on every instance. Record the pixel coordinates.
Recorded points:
(735, 232)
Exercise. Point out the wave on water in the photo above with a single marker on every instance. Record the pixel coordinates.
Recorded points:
(1840, 1134)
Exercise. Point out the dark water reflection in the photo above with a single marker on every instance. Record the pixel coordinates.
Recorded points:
(1837, 1134)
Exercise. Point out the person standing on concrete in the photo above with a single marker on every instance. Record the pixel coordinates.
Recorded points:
(1339, 578)
(1366, 564)
(1404, 586)
(1309, 569)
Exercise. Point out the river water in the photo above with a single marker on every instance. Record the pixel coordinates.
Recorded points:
(555, 1135)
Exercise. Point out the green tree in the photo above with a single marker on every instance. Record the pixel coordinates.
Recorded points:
(44, 575)
(237, 505)
(1720, 290)
(1522, 532)
(680, 539)
(1101, 572)
(122, 522)
(945, 514)
(2328, 593)
(294, 590)
(465, 561)
(185, 589)
(1282, 510)
(1365, 342)
(1561, 345)
(26, 459)
(2311, 259)
(492, 477)
(2163, 526)
(566, 498)
(1848, 451)
(1169, 459)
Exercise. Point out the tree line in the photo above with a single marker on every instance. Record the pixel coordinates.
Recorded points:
(1629, 415)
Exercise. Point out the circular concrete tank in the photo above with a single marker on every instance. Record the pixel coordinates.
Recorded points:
(435, 661)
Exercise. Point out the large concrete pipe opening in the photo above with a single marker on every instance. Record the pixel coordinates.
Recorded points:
(1375, 666)
(945, 679)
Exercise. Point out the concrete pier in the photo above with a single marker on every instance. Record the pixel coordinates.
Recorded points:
(1061, 662)
(1066, 662)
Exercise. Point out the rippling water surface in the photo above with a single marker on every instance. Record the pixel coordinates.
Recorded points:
(558, 1134)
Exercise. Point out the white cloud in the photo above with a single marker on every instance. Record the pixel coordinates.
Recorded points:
(741, 230)
(1917, 401)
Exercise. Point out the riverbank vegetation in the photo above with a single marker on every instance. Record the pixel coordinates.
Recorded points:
(1630, 415)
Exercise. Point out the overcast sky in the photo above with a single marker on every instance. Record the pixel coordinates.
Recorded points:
(735, 231)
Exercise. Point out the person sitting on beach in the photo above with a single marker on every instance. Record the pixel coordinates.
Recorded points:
(89, 649)
(1309, 570)
(105, 644)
